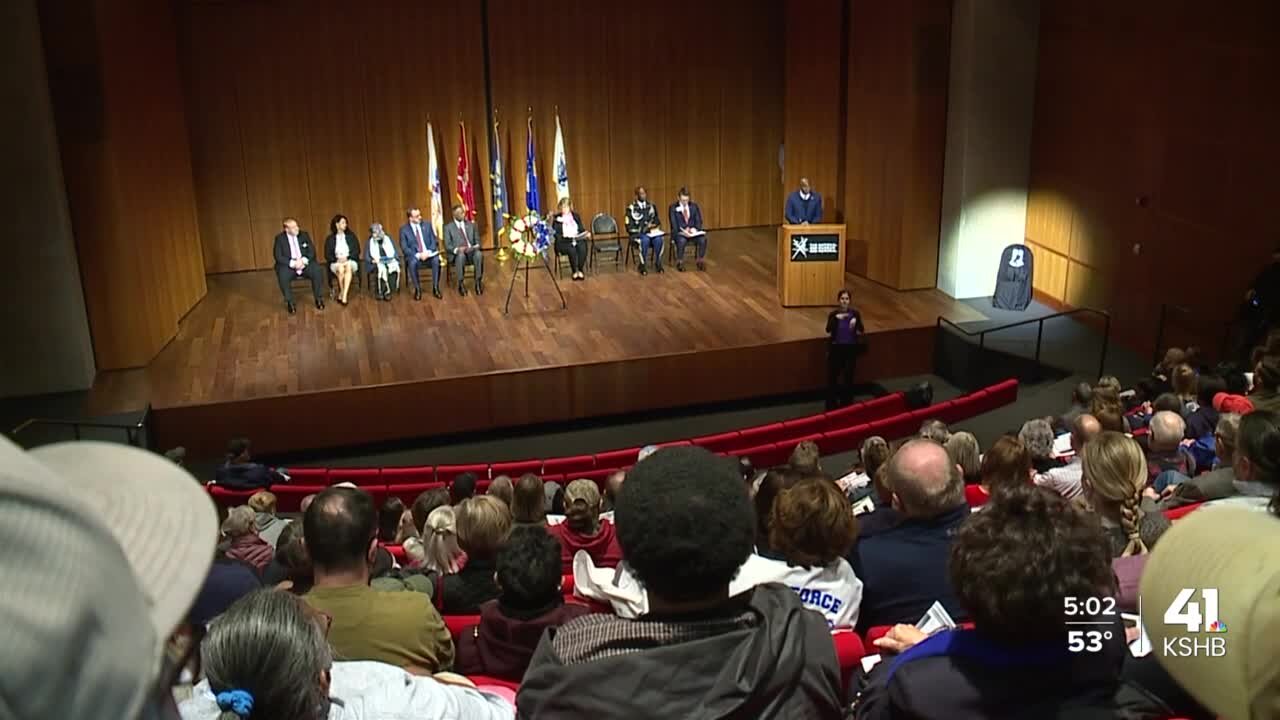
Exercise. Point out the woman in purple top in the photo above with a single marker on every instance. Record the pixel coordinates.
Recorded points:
(844, 325)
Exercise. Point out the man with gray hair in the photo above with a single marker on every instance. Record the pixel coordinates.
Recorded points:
(1215, 484)
(904, 568)
(1168, 462)
(1037, 435)
(419, 243)
(1065, 480)
(935, 430)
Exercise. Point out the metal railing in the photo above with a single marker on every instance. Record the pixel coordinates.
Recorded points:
(982, 334)
(1198, 324)
(133, 431)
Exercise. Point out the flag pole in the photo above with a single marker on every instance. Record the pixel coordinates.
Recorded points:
(502, 255)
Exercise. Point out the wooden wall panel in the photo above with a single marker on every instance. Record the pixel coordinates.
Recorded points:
(128, 169)
(895, 136)
(327, 106)
(1152, 129)
(1050, 271)
(813, 122)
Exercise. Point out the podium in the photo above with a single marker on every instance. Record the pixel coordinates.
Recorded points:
(810, 264)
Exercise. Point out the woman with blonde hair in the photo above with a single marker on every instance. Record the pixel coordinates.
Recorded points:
(1185, 384)
(962, 448)
(484, 522)
(440, 549)
(1114, 474)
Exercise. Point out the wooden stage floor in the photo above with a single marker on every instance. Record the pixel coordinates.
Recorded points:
(377, 371)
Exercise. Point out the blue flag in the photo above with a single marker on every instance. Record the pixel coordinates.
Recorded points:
(531, 174)
(499, 193)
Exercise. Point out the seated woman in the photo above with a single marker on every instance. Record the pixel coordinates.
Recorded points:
(811, 529)
(383, 260)
(483, 524)
(341, 248)
(962, 448)
(583, 529)
(1037, 435)
(1013, 566)
(1114, 474)
(440, 551)
(1007, 464)
(531, 601)
(267, 657)
(571, 237)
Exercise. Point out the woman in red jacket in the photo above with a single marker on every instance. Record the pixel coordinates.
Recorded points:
(583, 529)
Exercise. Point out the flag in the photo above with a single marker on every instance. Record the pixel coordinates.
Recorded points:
(530, 173)
(466, 197)
(562, 168)
(433, 181)
(499, 193)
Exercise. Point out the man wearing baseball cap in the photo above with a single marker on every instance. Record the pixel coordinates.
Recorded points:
(1234, 552)
(104, 548)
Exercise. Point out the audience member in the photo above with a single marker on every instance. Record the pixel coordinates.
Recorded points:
(746, 468)
(904, 569)
(584, 530)
(240, 539)
(441, 552)
(1217, 483)
(935, 430)
(462, 487)
(267, 657)
(267, 524)
(530, 602)
(873, 453)
(177, 455)
(805, 459)
(613, 485)
(1185, 384)
(771, 486)
(1233, 551)
(553, 499)
(811, 529)
(1037, 435)
(1266, 384)
(1065, 480)
(962, 448)
(392, 521)
(884, 515)
(502, 488)
(1256, 463)
(483, 525)
(1013, 567)
(427, 501)
(528, 506)
(1081, 395)
(228, 580)
(240, 472)
(1161, 376)
(290, 569)
(1166, 454)
(1111, 383)
(1225, 402)
(1006, 465)
(1201, 421)
(685, 528)
(1107, 408)
(1114, 473)
(305, 502)
(92, 595)
(399, 628)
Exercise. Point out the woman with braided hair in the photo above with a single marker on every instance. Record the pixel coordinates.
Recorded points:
(1115, 472)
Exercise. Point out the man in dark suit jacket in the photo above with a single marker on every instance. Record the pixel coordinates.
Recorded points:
(418, 241)
(804, 206)
(686, 224)
(240, 472)
(295, 257)
(463, 245)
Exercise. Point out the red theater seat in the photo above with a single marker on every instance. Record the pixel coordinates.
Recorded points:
(975, 496)
(405, 475)
(515, 469)
(575, 465)
(553, 478)
(397, 552)
(849, 651)
(308, 476)
(225, 497)
(596, 476)
(952, 411)
(898, 426)
(844, 439)
(617, 458)
(674, 443)
(1004, 392)
(762, 435)
(370, 477)
(289, 497)
(408, 492)
(805, 426)
(458, 623)
(764, 456)
(787, 446)
(485, 680)
(448, 473)
(865, 412)
(1183, 511)
(720, 442)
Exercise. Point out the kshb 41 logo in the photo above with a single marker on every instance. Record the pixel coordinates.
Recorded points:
(1185, 611)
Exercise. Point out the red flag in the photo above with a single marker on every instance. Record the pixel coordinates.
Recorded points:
(466, 197)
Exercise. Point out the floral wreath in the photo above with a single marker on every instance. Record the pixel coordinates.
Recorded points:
(530, 236)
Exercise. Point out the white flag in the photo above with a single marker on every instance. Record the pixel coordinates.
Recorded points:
(562, 168)
(433, 181)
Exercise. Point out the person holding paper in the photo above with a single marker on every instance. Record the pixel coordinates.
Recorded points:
(420, 246)
(644, 229)
(295, 257)
(571, 237)
(462, 242)
(686, 223)
(804, 206)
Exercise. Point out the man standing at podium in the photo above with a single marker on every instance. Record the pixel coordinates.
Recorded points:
(804, 206)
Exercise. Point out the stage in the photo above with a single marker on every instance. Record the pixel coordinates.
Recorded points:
(376, 371)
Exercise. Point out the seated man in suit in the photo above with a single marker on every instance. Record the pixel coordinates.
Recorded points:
(295, 257)
(804, 206)
(686, 223)
(418, 241)
(644, 229)
(463, 244)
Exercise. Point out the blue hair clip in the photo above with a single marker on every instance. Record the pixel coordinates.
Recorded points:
(239, 702)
